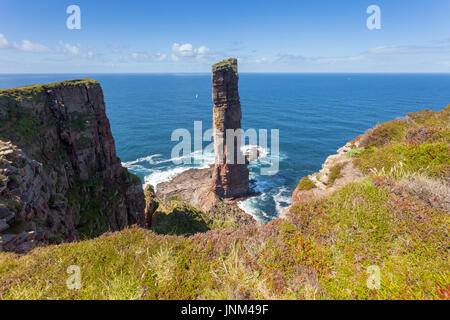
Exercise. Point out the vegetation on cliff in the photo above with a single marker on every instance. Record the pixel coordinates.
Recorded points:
(305, 184)
(419, 143)
(180, 218)
(60, 177)
(224, 62)
(394, 220)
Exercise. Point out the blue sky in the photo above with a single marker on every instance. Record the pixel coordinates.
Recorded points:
(188, 36)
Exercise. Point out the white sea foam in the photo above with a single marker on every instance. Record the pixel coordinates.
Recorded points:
(157, 176)
(167, 172)
(249, 207)
(148, 159)
(281, 199)
(252, 205)
(196, 158)
(262, 152)
(156, 170)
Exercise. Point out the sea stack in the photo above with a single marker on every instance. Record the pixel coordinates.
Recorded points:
(230, 177)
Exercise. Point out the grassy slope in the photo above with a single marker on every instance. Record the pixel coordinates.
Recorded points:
(395, 219)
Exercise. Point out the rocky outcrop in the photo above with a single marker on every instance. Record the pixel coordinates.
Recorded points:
(230, 177)
(337, 171)
(151, 204)
(194, 187)
(216, 190)
(60, 177)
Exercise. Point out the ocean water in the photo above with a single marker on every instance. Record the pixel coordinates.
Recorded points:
(315, 114)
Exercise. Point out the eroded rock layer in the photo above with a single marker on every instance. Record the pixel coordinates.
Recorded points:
(60, 177)
(230, 178)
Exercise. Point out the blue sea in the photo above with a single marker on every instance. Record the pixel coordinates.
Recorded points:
(315, 114)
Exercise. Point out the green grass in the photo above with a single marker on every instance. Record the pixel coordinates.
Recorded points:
(17, 227)
(33, 90)
(322, 251)
(21, 127)
(180, 219)
(130, 176)
(363, 225)
(389, 131)
(305, 184)
(354, 152)
(431, 157)
(79, 124)
(335, 173)
(223, 62)
(86, 198)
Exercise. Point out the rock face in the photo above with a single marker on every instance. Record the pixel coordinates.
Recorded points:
(60, 177)
(217, 189)
(323, 183)
(194, 187)
(151, 204)
(229, 180)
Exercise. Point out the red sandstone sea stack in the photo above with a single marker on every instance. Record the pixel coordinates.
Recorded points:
(230, 178)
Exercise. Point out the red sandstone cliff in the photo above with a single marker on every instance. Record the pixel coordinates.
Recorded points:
(60, 177)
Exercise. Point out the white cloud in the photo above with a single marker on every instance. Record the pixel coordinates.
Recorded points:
(377, 54)
(203, 50)
(385, 49)
(25, 45)
(261, 60)
(339, 59)
(29, 46)
(67, 48)
(74, 50)
(147, 57)
(184, 50)
(188, 51)
(160, 56)
(3, 41)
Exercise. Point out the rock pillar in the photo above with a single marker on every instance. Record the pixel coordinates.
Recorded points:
(230, 176)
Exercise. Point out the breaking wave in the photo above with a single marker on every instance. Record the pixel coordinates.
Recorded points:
(272, 196)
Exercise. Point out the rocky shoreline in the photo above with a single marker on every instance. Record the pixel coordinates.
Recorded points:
(192, 186)
(326, 181)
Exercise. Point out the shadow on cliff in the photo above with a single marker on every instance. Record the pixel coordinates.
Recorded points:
(180, 219)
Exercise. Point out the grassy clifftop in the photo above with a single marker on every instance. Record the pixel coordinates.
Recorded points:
(383, 237)
(25, 90)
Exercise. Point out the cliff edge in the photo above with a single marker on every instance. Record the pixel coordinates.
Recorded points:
(414, 147)
(60, 177)
(385, 236)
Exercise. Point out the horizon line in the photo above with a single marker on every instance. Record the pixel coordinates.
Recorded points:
(204, 72)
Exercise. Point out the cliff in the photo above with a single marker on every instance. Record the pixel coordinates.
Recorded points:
(383, 235)
(372, 224)
(415, 146)
(61, 179)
